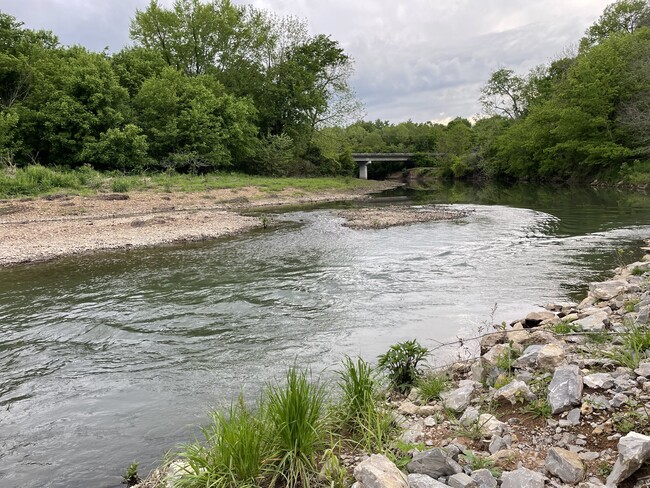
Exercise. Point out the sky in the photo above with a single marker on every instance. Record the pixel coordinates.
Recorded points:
(423, 60)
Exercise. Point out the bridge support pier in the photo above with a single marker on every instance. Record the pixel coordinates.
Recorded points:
(363, 169)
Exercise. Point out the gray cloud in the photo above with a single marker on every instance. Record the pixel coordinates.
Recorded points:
(417, 59)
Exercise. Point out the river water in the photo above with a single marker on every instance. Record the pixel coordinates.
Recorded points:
(118, 356)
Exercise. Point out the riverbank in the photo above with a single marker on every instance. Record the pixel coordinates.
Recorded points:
(560, 397)
(41, 229)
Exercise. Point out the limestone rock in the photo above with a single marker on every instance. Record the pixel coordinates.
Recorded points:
(594, 322)
(522, 478)
(599, 380)
(491, 340)
(417, 480)
(458, 399)
(490, 425)
(492, 356)
(484, 478)
(407, 408)
(566, 465)
(550, 356)
(633, 451)
(643, 370)
(565, 390)
(607, 290)
(461, 480)
(514, 391)
(379, 472)
(534, 319)
(435, 462)
(529, 358)
(470, 416)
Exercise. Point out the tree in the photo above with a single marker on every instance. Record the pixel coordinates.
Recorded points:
(620, 17)
(504, 94)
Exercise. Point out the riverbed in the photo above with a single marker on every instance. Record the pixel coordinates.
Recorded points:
(117, 356)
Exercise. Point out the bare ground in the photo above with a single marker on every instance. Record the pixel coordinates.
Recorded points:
(382, 217)
(46, 228)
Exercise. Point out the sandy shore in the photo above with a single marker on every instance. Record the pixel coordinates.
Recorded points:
(42, 229)
(383, 217)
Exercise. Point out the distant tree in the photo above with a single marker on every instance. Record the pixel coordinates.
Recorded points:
(622, 16)
(504, 94)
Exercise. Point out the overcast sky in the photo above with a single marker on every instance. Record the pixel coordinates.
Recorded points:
(415, 59)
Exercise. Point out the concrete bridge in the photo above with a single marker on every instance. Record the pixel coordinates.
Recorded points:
(364, 159)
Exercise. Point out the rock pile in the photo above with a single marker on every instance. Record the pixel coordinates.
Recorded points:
(559, 398)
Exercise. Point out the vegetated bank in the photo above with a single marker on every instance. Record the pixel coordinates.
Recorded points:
(559, 397)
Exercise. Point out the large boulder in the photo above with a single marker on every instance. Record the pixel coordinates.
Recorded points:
(603, 381)
(566, 465)
(522, 478)
(633, 451)
(484, 478)
(379, 472)
(607, 290)
(565, 389)
(435, 462)
(595, 322)
(534, 319)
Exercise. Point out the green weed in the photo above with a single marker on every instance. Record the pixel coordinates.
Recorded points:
(294, 413)
(432, 385)
(130, 476)
(401, 364)
(476, 462)
(120, 185)
(636, 343)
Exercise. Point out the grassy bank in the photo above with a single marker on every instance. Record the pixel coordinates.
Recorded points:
(36, 180)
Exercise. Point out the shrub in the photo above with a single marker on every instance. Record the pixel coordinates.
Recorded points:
(123, 149)
(401, 362)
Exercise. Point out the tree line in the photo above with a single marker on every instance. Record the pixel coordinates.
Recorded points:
(205, 86)
(584, 115)
(217, 86)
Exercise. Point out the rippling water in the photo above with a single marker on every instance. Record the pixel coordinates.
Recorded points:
(115, 357)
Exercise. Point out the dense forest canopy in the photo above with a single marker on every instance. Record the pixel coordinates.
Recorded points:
(217, 86)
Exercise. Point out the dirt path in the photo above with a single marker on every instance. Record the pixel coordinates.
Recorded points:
(45, 228)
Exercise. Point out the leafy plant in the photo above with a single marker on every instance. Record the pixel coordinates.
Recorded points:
(538, 408)
(130, 476)
(636, 343)
(401, 362)
(506, 359)
(120, 185)
(296, 429)
(563, 327)
(432, 385)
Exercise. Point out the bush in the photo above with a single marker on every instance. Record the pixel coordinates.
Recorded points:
(274, 156)
(401, 362)
(121, 149)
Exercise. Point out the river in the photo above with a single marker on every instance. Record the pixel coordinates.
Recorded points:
(117, 356)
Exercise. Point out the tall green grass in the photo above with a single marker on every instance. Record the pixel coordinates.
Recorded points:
(295, 416)
(37, 180)
(359, 414)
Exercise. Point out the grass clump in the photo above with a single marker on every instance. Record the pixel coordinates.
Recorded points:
(563, 327)
(130, 476)
(233, 454)
(505, 361)
(359, 413)
(432, 385)
(294, 413)
(635, 345)
(476, 462)
(401, 364)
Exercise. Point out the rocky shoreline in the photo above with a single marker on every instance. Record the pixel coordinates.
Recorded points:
(558, 398)
(554, 399)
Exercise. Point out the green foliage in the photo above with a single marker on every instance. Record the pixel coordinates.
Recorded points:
(294, 413)
(432, 385)
(120, 185)
(563, 327)
(234, 451)
(476, 462)
(635, 347)
(506, 359)
(130, 476)
(401, 362)
(359, 413)
(123, 149)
